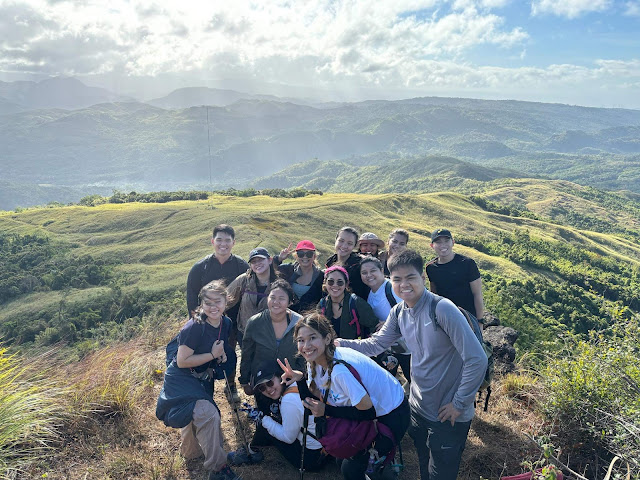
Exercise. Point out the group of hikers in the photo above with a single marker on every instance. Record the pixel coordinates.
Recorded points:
(321, 352)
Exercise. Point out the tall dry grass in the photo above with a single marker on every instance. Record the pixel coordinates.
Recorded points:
(32, 410)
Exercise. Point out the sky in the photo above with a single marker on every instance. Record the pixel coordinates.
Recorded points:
(581, 52)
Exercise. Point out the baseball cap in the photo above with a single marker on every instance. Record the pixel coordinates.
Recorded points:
(441, 232)
(259, 252)
(305, 245)
(267, 370)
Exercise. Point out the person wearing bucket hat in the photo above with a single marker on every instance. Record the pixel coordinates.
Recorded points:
(370, 244)
(250, 290)
(304, 275)
(454, 276)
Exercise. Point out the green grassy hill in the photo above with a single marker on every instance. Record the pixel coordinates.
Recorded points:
(541, 277)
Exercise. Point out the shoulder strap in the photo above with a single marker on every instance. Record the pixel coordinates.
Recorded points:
(388, 291)
(432, 310)
(323, 306)
(353, 298)
(291, 389)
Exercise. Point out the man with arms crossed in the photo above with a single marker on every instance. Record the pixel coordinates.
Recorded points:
(447, 367)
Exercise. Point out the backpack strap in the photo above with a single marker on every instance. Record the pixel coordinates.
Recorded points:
(432, 310)
(323, 306)
(291, 389)
(388, 291)
(354, 314)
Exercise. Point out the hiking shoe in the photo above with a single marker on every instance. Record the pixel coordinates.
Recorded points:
(232, 395)
(240, 456)
(225, 473)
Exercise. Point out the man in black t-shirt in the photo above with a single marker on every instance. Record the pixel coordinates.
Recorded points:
(454, 276)
(222, 264)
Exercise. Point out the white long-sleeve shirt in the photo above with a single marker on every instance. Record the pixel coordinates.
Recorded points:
(292, 413)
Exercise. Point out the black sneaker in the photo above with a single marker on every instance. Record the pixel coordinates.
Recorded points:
(225, 473)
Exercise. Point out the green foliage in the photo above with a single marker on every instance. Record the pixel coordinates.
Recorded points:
(495, 207)
(592, 389)
(600, 275)
(33, 263)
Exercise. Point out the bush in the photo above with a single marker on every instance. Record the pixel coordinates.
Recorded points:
(593, 393)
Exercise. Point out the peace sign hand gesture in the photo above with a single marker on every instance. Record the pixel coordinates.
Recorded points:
(290, 375)
(285, 252)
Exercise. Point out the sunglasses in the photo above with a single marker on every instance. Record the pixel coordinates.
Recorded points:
(331, 281)
(305, 253)
(263, 386)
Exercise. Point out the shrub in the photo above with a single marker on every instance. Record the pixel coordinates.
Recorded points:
(593, 392)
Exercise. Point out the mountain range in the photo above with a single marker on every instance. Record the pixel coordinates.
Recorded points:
(62, 136)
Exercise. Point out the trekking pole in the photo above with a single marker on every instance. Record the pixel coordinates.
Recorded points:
(305, 429)
(240, 427)
(400, 454)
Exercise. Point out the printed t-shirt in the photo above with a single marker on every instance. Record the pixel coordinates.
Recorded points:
(385, 391)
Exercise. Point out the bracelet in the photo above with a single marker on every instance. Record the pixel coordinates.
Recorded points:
(212, 357)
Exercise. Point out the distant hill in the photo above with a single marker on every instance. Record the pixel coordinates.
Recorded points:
(197, 96)
(145, 147)
(401, 175)
(66, 93)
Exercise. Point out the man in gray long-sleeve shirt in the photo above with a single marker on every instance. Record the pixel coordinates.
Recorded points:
(447, 367)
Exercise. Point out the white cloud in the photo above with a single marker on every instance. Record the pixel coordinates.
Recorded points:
(632, 9)
(404, 45)
(568, 8)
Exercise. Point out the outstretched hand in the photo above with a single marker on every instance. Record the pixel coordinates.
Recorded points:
(290, 375)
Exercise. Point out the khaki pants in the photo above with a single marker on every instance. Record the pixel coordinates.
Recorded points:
(204, 436)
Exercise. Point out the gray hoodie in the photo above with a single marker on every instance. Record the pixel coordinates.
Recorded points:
(447, 363)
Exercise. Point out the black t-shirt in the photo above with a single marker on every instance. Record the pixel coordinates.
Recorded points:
(199, 337)
(208, 269)
(452, 280)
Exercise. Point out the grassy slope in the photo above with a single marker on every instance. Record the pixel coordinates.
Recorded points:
(159, 242)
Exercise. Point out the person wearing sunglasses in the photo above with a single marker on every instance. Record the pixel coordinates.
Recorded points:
(304, 275)
(346, 240)
(267, 337)
(349, 314)
(285, 426)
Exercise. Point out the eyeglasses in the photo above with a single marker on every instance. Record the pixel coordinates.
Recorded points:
(263, 386)
(331, 281)
(305, 253)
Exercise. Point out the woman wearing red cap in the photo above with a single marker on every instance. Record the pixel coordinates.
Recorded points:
(304, 275)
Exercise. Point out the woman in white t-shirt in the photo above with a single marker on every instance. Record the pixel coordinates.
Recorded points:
(381, 299)
(379, 396)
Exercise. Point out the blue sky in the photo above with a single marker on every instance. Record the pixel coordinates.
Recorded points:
(583, 52)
